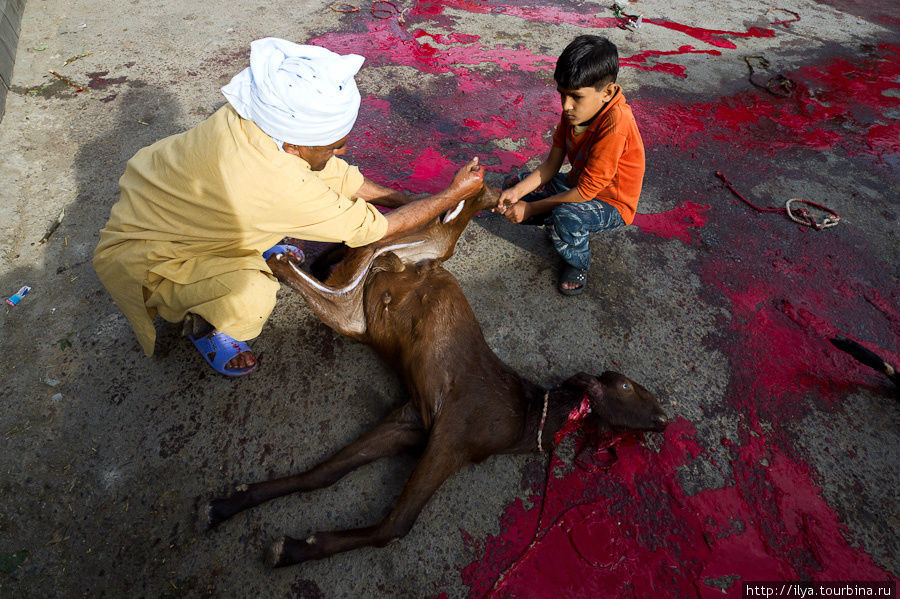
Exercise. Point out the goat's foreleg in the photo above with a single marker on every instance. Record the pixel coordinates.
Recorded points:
(437, 464)
(401, 430)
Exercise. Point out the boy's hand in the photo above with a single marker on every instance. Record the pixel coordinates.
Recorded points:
(507, 199)
(517, 212)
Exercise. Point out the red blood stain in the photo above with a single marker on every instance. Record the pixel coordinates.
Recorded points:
(550, 14)
(506, 112)
(385, 36)
(628, 529)
(638, 60)
(711, 36)
(375, 103)
(675, 223)
(453, 38)
(386, 44)
(432, 171)
(540, 14)
(838, 105)
(494, 128)
(98, 80)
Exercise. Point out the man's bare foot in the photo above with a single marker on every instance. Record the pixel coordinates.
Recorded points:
(242, 360)
(217, 347)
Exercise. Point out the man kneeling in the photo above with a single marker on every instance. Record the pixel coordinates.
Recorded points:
(200, 211)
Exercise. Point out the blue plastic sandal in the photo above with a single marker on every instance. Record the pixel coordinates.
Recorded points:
(219, 349)
(283, 248)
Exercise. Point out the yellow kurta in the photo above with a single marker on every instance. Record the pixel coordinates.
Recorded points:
(198, 209)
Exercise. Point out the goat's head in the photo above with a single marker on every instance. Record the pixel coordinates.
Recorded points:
(620, 403)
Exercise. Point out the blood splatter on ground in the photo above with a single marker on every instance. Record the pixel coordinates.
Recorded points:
(843, 104)
(676, 223)
(620, 523)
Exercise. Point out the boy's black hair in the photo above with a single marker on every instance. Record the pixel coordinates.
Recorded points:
(590, 60)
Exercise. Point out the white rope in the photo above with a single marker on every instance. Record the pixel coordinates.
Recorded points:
(543, 420)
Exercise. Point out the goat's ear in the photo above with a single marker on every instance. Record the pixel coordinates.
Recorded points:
(581, 381)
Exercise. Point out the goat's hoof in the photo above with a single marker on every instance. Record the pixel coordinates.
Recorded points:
(216, 512)
(288, 552)
(283, 553)
(204, 518)
(219, 510)
(275, 553)
(213, 517)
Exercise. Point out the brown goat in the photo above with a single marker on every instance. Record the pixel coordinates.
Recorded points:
(465, 404)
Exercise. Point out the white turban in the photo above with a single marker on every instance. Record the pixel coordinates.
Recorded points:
(304, 95)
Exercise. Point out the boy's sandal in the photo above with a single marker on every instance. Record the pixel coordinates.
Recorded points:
(283, 248)
(219, 349)
(570, 274)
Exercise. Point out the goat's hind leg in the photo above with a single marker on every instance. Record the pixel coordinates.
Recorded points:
(436, 466)
(339, 308)
(402, 429)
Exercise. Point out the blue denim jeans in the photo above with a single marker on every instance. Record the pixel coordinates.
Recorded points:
(571, 224)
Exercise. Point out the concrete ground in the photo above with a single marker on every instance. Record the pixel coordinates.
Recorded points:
(780, 464)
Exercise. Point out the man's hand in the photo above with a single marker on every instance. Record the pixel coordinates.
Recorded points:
(517, 212)
(468, 181)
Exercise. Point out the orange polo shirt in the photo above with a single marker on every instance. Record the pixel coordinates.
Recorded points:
(607, 158)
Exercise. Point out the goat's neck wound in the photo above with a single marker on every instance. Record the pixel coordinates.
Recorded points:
(574, 420)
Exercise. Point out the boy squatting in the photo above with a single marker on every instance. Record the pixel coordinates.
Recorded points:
(598, 134)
